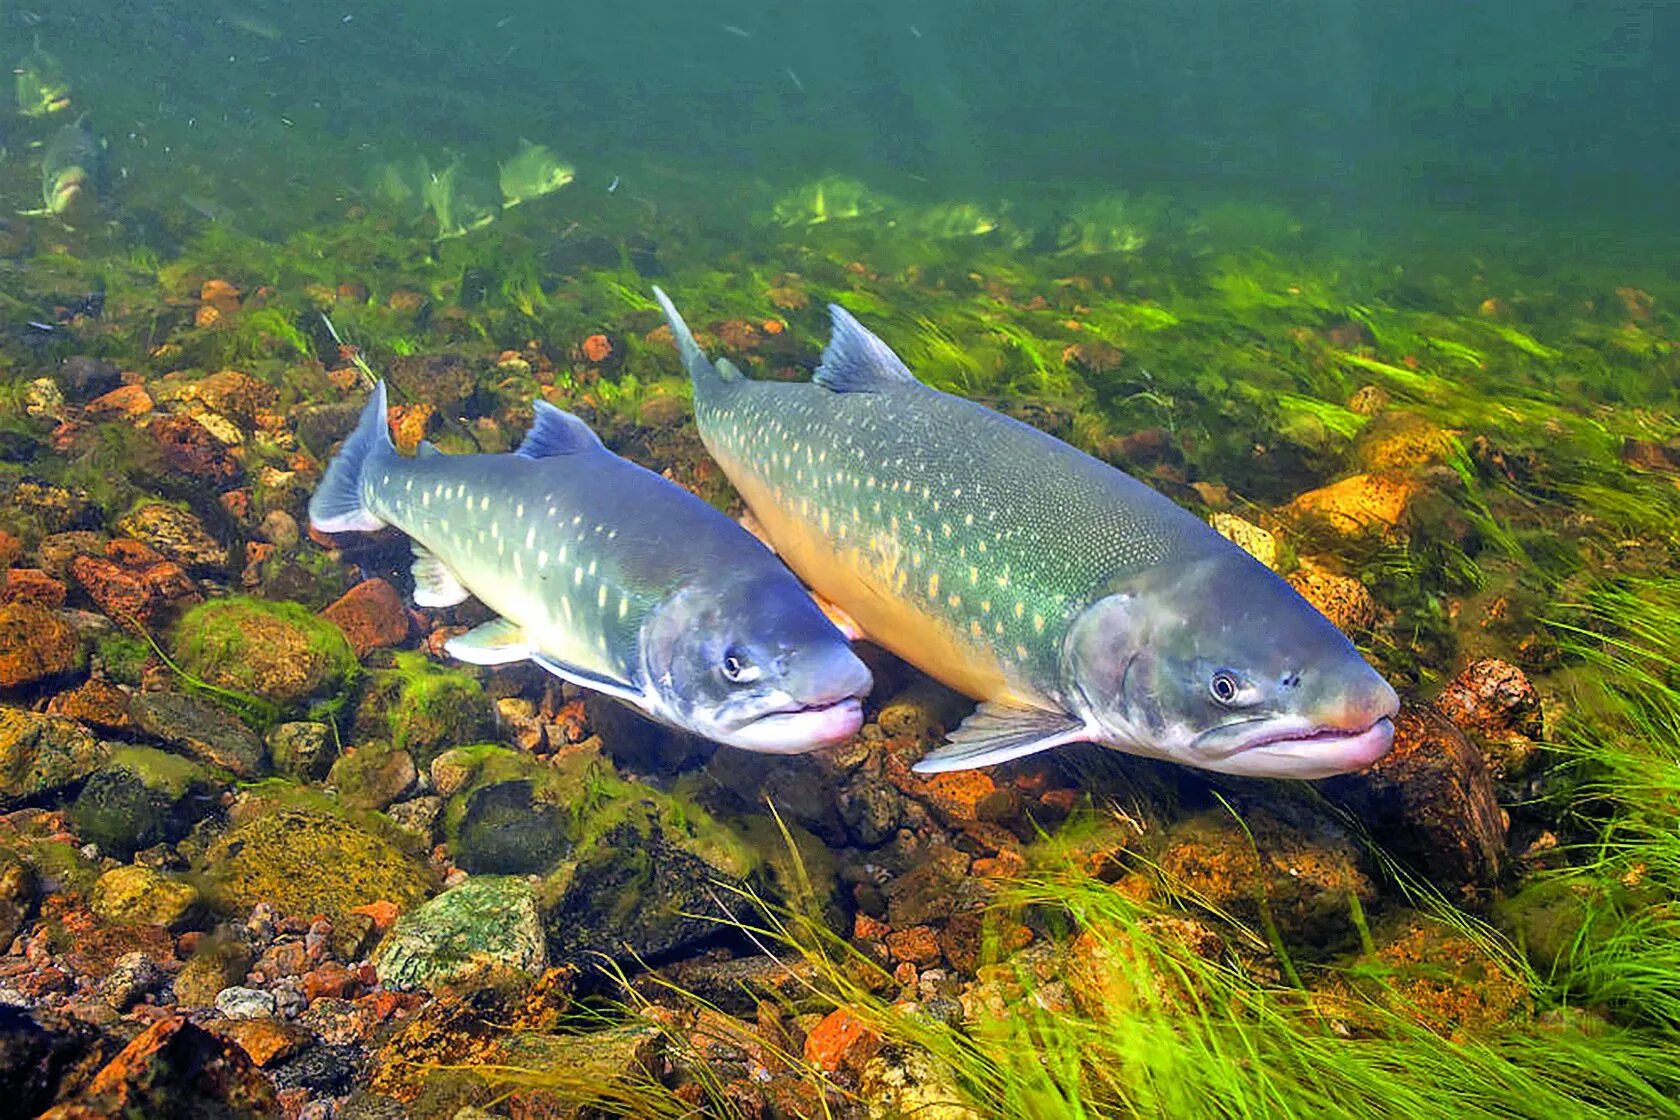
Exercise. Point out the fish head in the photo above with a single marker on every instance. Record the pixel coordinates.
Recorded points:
(72, 195)
(1219, 664)
(755, 664)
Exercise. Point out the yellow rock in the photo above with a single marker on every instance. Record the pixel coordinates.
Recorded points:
(1247, 536)
(1405, 441)
(1357, 506)
(1342, 599)
(136, 895)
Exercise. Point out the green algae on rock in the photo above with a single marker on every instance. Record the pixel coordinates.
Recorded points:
(279, 652)
(373, 776)
(201, 729)
(423, 708)
(142, 797)
(306, 863)
(134, 894)
(485, 924)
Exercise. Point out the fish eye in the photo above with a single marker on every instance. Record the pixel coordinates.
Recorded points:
(1225, 687)
(738, 667)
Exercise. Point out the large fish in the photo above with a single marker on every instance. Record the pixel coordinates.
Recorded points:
(1075, 602)
(606, 575)
(72, 174)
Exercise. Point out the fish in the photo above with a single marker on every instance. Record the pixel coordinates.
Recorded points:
(1074, 602)
(606, 575)
(72, 174)
(42, 88)
(531, 172)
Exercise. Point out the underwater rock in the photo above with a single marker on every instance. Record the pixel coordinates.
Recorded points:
(18, 888)
(236, 395)
(178, 534)
(136, 592)
(142, 797)
(1398, 441)
(441, 380)
(137, 895)
(650, 883)
(1432, 973)
(502, 829)
(219, 962)
(41, 754)
(1356, 508)
(131, 979)
(81, 378)
(307, 863)
(841, 1042)
(174, 1068)
(372, 616)
(424, 708)
(126, 402)
(245, 1003)
(1494, 704)
(188, 448)
(53, 509)
(1249, 537)
(35, 645)
(97, 703)
(1431, 801)
(484, 925)
(302, 750)
(1344, 600)
(202, 729)
(32, 586)
(265, 1041)
(38, 1062)
(906, 1081)
(279, 652)
(372, 777)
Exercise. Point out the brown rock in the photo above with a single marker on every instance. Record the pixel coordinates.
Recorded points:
(134, 595)
(332, 981)
(188, 447)
(11, 549)
(1431, 799)
(32, 585)
(1364, 505)
(265, 1041)
(1494, 704)
(917, 945)
(220, 294)
(174, 1068)
(236, 395)
(99, 704)
(1345, 601)
(126, 401)
(58, 549)
(35, 645)
(841, 1041)
(372, 616)
(175, 533)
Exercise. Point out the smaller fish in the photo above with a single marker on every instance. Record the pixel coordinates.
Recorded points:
(608, 576)
(42, 88)
(532, 172)
(72, 174)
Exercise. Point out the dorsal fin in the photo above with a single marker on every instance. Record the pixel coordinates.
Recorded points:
(855, 361)
(556, 432)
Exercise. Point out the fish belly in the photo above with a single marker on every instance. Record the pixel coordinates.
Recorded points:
(867, 581)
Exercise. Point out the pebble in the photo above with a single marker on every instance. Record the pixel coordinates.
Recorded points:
(245, 1003)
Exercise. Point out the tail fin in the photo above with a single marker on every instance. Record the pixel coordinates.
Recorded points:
(702, 372)
(337, 505)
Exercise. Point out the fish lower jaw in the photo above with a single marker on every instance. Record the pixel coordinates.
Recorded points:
(799, 731)
(1314, 754)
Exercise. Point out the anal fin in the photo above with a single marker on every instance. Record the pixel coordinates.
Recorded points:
(497, 642)
(434, 584)
(998, 732)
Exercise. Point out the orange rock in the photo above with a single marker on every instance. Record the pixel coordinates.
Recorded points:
(265, 1041)
(865, 928)
(382, 912)
(11, 548)
(332, 981)
(1357, 506)
(409, 424)
(206, 316)
(1345, 601)
(219, 293)
(125, 400)
(133, 596)
(174, 1068)
(372, 616)
(918, 945)
(840, 1042)
(596, 348)
(99, 704)
(35, 644)
(773, 326)
(31, 585)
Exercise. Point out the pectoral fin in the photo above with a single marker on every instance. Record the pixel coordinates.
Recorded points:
(999, 732)
(619, 689)
(434, 584)
(497, 642)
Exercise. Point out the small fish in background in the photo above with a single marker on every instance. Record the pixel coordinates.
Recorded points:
(531, 173)
(42, 88)
(1075, 602)
(72, 175)
(606, 575)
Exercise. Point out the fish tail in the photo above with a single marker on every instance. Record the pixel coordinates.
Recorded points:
(339, 504)
(702, 372)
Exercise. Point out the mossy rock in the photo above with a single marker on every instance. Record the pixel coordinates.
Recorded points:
(486, 924)
(507, 813)
(219, 963)
(424, 708)
(18, 890)
(278, 652)
(303, 751)
(137, 895)
(305, 863)
(372, 777)
(42, 754)
(142, 797)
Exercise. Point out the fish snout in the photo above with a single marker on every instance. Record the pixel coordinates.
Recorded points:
(1361, 703)
(824, 675)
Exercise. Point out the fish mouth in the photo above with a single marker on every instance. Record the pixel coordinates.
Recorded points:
(1318, 753)
(800, 729)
